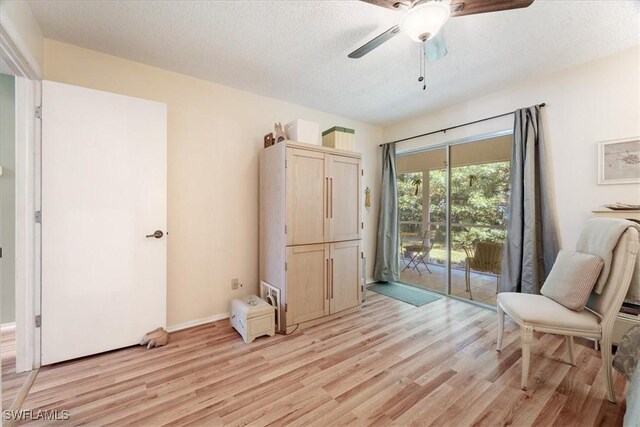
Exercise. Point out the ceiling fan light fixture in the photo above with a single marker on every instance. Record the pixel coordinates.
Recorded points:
(424, 21)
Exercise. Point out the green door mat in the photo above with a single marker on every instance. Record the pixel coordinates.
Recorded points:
(404, 293)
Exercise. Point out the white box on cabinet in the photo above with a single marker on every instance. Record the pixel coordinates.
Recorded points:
(303, 131)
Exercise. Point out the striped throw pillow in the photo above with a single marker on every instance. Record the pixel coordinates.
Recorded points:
(572, 279)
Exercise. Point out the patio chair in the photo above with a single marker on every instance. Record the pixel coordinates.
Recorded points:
(419, 253)
(485, 257)
(406, 235)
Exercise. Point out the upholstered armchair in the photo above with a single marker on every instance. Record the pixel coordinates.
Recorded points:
(540, 313)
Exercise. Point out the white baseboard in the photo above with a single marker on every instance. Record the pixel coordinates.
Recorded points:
(6, 327)
(197, 322)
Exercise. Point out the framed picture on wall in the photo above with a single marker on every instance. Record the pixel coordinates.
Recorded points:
(619, 161)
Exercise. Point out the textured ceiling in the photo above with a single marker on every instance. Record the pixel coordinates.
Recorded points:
(297, 50)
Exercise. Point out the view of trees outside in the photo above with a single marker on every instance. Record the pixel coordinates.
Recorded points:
(479, 203)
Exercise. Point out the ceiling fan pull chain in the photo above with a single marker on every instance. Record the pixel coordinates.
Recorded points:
(420, 76)
(422, 66)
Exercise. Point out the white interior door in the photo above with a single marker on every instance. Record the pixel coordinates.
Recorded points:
(103, 191)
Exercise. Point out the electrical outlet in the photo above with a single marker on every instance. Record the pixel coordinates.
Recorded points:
(234, 284)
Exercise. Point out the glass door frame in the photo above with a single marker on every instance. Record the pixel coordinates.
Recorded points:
(447, 146)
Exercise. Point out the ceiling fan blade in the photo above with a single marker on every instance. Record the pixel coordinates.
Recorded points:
(368, 47)
(435, 48)
(390, 4)
(472, 7)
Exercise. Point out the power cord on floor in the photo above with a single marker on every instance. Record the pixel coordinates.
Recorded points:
(297, 326)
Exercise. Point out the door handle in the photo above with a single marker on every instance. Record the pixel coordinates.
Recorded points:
(328, 281)
(327, 197)
(331, 182)
(331, 278)
(157, 234)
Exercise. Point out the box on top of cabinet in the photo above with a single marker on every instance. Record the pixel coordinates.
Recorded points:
(339, 137)
(303, 131)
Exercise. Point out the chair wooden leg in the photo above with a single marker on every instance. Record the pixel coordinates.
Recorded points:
(605, 353)
(569, 340)
(526, 338)
(500, 327)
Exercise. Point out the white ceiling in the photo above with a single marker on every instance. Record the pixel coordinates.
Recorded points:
(297, 50)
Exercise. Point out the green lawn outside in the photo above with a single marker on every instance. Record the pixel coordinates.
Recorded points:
(439, 254)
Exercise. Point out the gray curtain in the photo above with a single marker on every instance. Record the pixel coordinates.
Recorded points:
(532, 238)
(386, 263)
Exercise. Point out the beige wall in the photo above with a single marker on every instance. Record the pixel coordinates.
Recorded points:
(592, 102)
(214, 137)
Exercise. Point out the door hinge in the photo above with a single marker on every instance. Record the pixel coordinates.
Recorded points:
(362, 225)
(285, 229)
(38, 217)
(285, 266)
(39, 112)
(38, 321)
(362, 172)
(286, 307)
(285, 163)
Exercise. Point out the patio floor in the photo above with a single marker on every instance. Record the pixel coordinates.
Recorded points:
(483, 286)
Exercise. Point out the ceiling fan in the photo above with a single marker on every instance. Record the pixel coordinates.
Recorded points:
(423, 20)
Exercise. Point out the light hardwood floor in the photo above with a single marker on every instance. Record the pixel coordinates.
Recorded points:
(11, 382)
(389, 364)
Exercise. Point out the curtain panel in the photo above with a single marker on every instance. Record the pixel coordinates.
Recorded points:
(386, 262)
(532, 238)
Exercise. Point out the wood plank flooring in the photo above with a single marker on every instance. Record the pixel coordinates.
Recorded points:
(389, 364)
(11, 382)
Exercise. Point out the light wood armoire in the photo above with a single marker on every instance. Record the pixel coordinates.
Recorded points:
(311, 230)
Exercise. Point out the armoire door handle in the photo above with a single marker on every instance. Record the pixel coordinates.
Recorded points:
(331, 183)
(327, 198)
(328, 280)
(331, 278)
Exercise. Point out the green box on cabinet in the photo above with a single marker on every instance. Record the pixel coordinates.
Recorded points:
(339, 137)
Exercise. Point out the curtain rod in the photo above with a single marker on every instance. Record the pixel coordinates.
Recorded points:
(454, 127)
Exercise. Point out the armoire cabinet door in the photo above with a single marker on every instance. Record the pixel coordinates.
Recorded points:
(344, 266)
(344, 198)
(307, 216)
(307, 283)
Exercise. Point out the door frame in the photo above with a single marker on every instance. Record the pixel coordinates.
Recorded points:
(447, 145)
(27, 138)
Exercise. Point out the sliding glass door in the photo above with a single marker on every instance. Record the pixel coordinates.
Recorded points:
(453, 217)
(422, 215)
(479, 185)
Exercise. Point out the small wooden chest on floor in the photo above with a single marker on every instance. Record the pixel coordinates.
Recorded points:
(252, 317)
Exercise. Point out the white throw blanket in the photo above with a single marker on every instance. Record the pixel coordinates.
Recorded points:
(599, 237)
